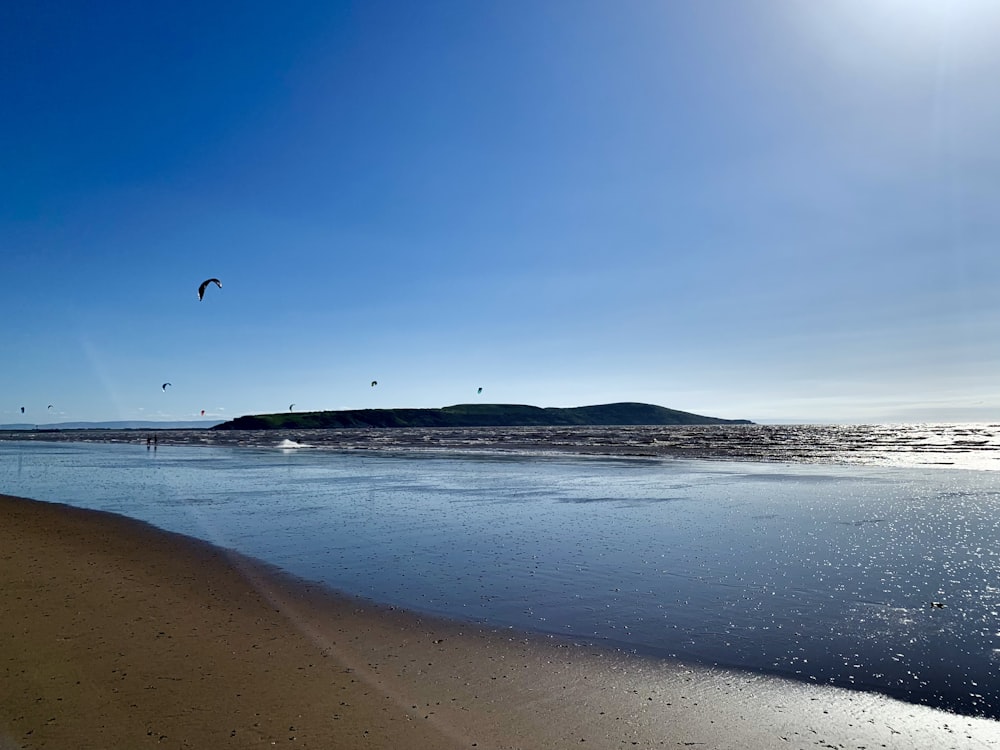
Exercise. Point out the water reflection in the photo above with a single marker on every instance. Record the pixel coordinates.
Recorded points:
(820, 572)
(960, 446)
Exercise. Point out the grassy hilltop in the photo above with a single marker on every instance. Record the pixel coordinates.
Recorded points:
(477, 415)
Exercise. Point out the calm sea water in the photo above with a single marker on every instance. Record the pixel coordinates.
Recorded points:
(821, 563)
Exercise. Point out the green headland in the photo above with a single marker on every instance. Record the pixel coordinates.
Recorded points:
(478, 415)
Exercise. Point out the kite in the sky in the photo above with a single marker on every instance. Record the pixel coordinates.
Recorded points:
(203, 412)
(291, 406)
(204, 285)
(164, 386)
(50, 406)
(22, 410)
(480, 390)
(374, 383)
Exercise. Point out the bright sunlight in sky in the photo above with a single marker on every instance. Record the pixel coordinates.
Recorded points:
(775, 210)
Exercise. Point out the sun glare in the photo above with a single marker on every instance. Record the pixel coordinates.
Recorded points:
(897, 32)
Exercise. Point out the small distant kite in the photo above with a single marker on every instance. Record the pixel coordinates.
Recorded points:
(204, 286)
(374, 383)
(164, 386)
(203, 412)
(22, 410)
(291, 406)
(480, 390)
(50, 406)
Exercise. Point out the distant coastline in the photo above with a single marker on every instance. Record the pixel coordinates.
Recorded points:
(479, 415)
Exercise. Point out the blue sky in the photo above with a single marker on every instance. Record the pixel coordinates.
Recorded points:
(773, 210)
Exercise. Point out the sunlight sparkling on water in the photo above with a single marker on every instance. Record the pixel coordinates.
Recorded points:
(819, 571)
(965, 446)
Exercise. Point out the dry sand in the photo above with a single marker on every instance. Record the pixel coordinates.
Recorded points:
(114, 634)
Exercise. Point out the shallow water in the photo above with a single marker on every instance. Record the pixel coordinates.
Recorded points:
(821, 572)
(968, 446)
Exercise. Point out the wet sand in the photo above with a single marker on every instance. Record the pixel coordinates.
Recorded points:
(116, 634)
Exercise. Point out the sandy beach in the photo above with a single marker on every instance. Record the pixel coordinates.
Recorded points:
(116, 634)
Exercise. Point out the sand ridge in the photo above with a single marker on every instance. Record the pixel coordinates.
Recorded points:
(117, 634)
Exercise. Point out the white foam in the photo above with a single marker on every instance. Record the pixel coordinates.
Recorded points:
(289, 444)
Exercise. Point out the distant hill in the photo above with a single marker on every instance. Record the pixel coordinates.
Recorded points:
(202, 424)
(477, 415)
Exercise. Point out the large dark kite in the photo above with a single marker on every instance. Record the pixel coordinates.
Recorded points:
(204, 286)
